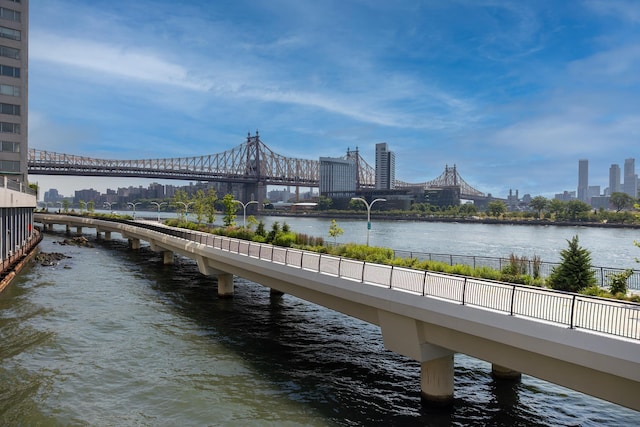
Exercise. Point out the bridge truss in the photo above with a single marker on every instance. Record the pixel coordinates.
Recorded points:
(250, 162)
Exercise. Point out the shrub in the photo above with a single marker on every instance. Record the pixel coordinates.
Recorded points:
(618, 282)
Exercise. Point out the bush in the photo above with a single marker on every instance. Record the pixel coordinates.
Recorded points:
(618, 282)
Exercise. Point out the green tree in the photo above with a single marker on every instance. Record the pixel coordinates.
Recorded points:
(496, 208)
(468, 209)
(199, 205)
(91, 206)
(230, 207)
(83, 205)
(577, 210)
(324, 203)
(65, 205)
(618, 282)
(179, 198)
(335, 230)
(539, 203)
(574, 272)
(557, 207)
(210, 205)
(620, 201)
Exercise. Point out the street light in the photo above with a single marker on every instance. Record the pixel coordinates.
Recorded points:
(244, 211)
(368, 212)
(109, 204)
(133, 205)
(186, 207)
(158, 205)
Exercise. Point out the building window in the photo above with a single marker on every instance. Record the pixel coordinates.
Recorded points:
(9, 147)
(10, 33)
(6, 70)
(9, 166)
(9, 52)
(9, 90)
(12, 109)
(10, 14)
(9, 127)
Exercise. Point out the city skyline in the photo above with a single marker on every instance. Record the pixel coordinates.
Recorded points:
(512, 93)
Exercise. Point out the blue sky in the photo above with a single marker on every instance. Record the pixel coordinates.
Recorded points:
(512, 92)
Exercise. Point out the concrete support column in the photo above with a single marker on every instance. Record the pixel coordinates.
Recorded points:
(167, 257)
(436, 381)
(275, 293)
(107, 235)
(98, 235)
(225, 285)
(134, 244)
(502, 373)
(78, 230)
(68, 229)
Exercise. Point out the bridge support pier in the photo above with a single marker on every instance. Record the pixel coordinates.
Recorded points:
(68, 229)
(107, 235)
(78, 230)
(225, 285)
(167, 257)
(436, 376)
(275, 293)
(134, 244)
(502, 373)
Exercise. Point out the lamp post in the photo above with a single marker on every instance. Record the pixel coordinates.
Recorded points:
(186, 207)
(158, 205)
(244, 210)
(60, 208)
(133, 205)
(368, 205)
(109, 204)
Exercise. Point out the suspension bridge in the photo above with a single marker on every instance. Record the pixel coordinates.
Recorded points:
(251, 163)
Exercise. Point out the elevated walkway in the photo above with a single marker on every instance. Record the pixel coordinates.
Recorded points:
(587, 344)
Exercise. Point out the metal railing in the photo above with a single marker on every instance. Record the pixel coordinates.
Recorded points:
(575, 311)
(11, 184)
(543, 268)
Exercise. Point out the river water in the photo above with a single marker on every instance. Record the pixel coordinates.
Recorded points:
(111, 337)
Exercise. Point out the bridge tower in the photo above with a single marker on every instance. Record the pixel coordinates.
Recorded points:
(257, 188)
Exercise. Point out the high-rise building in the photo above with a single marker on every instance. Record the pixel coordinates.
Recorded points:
(337, 177)
(385, 167)
(14, 23)
(583, 180)
(630, 184)
(614, 179)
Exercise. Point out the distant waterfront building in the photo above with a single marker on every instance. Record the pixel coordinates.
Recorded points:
(337, 177)
(614, 179)
(630, 185)
(385, 167)
(14, 43)
(593, 191)
(583, 180)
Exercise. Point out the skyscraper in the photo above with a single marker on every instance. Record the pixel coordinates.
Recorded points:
(614, 179)
(337, 177)
(385, 167)
(630, 185)
(583, 180)
(14, 23)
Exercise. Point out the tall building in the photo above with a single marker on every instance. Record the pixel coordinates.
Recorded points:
(337, 177)
(14, 23)
(614, 179)
(630, 184)
(583, 180)
(385, 167)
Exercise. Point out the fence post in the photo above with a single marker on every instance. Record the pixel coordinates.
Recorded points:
(602, 276)
(339, 266)
(573, 307)
(513, 297)
(464, 289)
(391, 278)
(364, 265)
(424, 284)
(319, 262)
